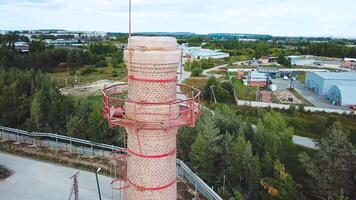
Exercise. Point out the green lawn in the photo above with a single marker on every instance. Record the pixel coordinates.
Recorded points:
(95, 73)
(244, 92)
(94, 100)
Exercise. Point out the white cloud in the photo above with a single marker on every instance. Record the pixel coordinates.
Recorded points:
(278, 17)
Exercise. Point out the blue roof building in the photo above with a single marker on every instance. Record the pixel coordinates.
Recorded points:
(343, 95)
(321, 82)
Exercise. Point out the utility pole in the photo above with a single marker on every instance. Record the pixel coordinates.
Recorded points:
(212, 92)
(224, 183)
(74, 187)
(97, 181)
(292, 82)
(258, 92)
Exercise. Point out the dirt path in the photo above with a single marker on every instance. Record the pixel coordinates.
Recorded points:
(88, 89)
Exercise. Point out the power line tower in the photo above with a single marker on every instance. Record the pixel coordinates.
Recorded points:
(74, 189)
(213, 93)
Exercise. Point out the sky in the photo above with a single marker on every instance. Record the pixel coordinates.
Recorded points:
(276, 17)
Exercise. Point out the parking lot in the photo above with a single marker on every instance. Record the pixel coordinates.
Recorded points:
(316, 100)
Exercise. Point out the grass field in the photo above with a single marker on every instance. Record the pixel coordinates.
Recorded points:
(197, 83)
(244, 92)
(71, 77)
(307, 124)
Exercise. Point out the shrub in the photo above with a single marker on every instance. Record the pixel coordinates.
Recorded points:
(197, 71)
(115, 73)
(87, 71)
(101, 63)
(72, 73)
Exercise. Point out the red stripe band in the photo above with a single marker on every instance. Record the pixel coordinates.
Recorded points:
(152, 80)
(153, 156)
(142, 188)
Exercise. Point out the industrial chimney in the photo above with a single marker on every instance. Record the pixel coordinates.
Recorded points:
(151, 110)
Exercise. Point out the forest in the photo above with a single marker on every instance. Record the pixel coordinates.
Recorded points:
(245, 153)
(49, 58)
(273, 48)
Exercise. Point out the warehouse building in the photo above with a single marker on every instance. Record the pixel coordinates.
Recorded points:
(200, 53)
(343, 95)
(256, 79)
(321, 82)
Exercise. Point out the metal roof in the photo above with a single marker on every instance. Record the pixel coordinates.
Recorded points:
(347, 94)
(351, 76)
(258, 75)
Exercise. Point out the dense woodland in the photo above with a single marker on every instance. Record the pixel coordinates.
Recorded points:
(30, 100)
(245, 153)
(264, 48)
(48, 58)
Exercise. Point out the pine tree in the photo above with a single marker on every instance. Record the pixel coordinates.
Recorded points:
(205, 148)
(330, 167)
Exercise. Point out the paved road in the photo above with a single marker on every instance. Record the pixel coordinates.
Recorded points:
(206, 71)
(33, 180)
(316, 100)
(305, 142)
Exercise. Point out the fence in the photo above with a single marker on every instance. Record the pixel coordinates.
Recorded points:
(287, 106)
(199, 185)
(88, 148)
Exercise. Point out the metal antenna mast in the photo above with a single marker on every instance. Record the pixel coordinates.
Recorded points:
(129, 22)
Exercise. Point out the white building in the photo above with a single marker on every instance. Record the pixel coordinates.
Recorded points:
(200, 53)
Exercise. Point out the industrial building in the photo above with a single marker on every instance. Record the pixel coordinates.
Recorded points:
(321, 82)
(200, 53)
(315, 61)
(264, 60)
(256, 79)
(342, 95)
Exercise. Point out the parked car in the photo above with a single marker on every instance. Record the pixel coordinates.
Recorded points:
(285, 78)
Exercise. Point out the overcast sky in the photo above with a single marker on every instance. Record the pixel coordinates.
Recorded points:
(276, 17)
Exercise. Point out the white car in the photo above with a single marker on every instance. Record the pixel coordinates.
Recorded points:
(285, 78)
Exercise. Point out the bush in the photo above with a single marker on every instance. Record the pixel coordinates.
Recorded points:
(101, 63)
(87, 71)
(72, 73)
(115, 73)
(197, 71)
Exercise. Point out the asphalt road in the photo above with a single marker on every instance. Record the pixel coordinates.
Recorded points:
(316, 100)
(34, 180)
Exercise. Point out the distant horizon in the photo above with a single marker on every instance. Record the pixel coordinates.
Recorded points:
(303, 18)
(182, 32)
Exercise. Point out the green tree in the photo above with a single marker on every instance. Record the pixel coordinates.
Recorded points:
(205, 149)
(202, 159)
(36, 46)
(117, 58)
(197, 71)
(221, 94)
(281, 186)
(37, 117)
(331, 166)
(272, 140)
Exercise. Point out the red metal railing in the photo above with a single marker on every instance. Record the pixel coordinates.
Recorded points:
(115, 101)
